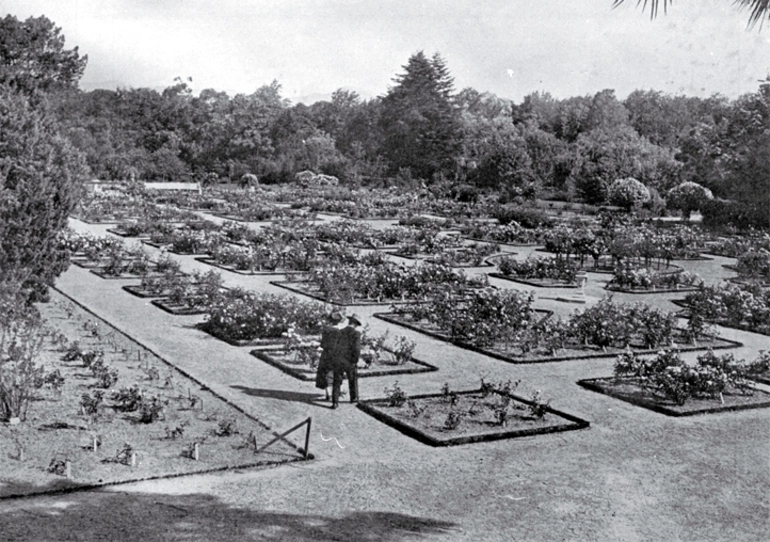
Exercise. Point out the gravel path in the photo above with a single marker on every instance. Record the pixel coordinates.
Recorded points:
(633, 476)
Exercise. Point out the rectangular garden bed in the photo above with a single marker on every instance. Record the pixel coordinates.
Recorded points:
(685, 313)
(284, 361)
(682, 289)
(629, 390)
(138, 291)
(175, 309)
(304, 288)
(210, 261)
(61, 448)
(423, 417)
(566, 354)
(275, 341)
(540, 283)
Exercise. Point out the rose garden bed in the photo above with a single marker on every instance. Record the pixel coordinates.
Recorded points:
(428, 418)
(307, 289)
(148, 420)
(513, 354)
(294, 366)
(540, 283)
(629, 389)
(212, 262)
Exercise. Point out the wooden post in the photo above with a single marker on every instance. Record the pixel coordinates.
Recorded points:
(96, 444)
(133, 459)
(68, 469)
(196, 452)
(307, 437)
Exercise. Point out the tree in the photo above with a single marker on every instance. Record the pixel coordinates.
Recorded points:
(40, 180)
(33, 58)
(606, 154)
(688, 197)
(628, 193)
(419, 121)
(758, 9)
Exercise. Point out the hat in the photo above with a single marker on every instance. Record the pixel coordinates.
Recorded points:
(335, 317)
(353, 319)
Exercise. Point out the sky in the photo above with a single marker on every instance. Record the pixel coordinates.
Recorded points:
(508, 47)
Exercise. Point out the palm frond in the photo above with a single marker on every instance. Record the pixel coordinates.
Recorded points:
(654, 5)
(759, 10)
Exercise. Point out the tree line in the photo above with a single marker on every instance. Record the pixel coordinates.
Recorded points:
(420, 131)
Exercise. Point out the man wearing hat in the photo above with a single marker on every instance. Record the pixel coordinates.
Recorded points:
(330, 351)
(350, 349)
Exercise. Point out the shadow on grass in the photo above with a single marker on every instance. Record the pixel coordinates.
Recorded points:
(143, 517)
(283, 395)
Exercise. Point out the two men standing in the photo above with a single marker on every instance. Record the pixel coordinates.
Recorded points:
(340, 350)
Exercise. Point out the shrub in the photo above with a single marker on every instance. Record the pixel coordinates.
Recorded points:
(151, 409)
(396, 396)
(688, 197)
(628, 193)
(22, 335)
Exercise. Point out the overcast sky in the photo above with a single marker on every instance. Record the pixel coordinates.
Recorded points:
(509, 47)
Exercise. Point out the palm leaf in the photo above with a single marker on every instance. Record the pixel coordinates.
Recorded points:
(759, 10)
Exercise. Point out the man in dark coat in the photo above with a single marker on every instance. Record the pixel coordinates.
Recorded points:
(330, 351)
(350, 349)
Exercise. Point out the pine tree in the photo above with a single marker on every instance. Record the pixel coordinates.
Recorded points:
(420, 123)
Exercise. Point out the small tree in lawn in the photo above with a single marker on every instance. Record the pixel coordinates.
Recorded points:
(21, 338)
(628, 193)
(688, 197)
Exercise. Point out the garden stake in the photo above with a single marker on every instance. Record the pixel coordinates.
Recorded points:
(68, 469)
(133, 459)
(196, 452)
(96, 444)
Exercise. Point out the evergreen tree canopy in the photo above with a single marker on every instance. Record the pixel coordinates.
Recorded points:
(40, 180)
(420, 124)
(33, 58)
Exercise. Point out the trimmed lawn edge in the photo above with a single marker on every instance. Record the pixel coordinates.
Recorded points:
(63, 490)
(238, 342)
(267, 358)
(388, 317)
(172, 309)
(531, 282)
(136, 290)
(370, 407)
(594, 385)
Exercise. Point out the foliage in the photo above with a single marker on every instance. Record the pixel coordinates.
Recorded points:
(89, 404)
(33, 58)
(688, 197)
(666, 373)
(22, 335)
(395, 396)
(419, 124)
(403, 349)
(242, 315)
(539, 268)
(628, 193)
(538, 407)
(40, 181)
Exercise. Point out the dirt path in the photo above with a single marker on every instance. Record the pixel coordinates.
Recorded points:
(633, 476)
